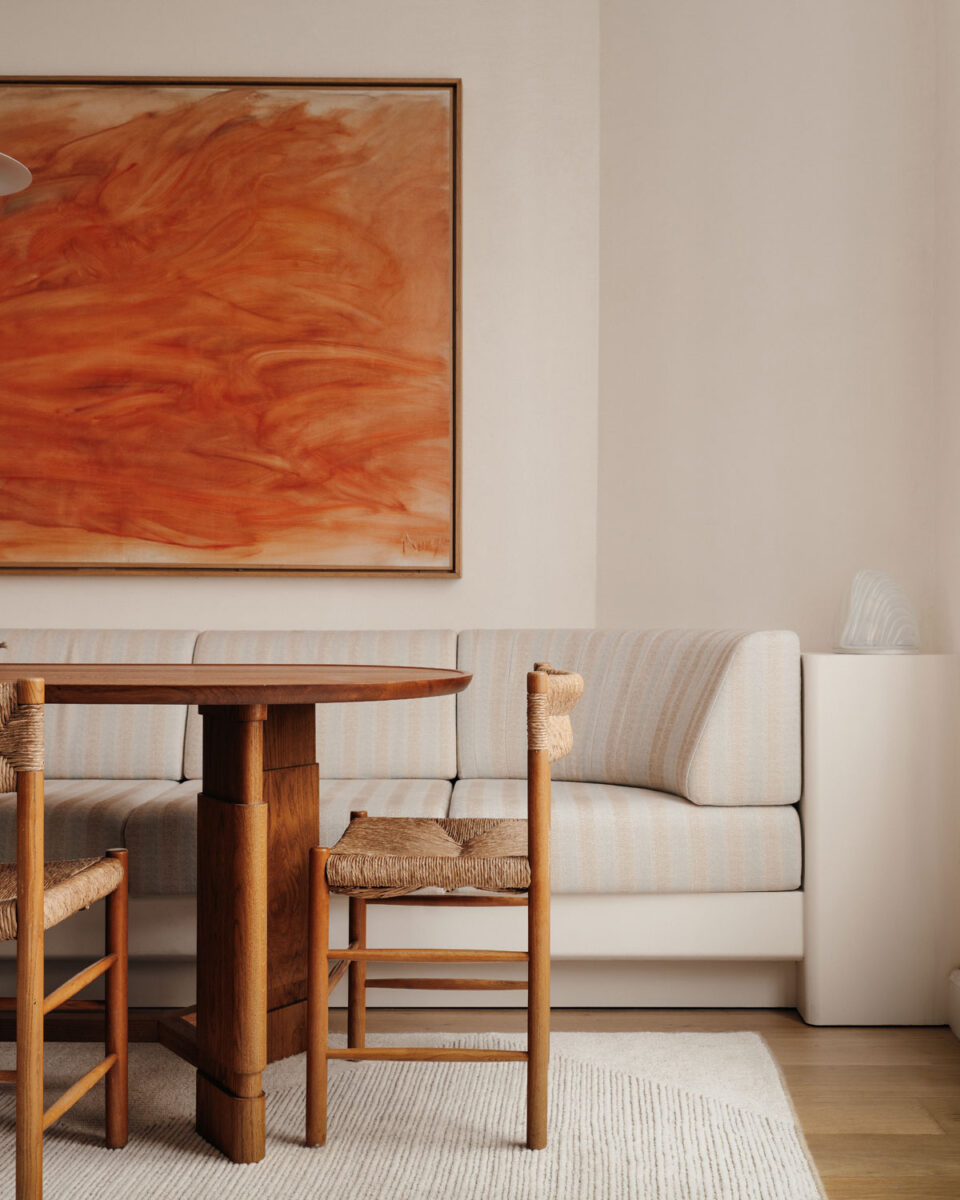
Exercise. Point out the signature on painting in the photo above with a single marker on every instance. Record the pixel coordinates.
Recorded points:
(423, 545)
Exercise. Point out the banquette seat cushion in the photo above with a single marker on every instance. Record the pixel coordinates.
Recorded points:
(607, 838)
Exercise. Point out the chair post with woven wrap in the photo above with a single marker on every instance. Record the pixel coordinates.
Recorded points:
(389, 860)
(34, 896)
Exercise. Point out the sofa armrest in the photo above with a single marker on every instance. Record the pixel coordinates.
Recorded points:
(749, 750)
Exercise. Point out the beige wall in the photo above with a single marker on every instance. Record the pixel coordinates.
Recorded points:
(530, 74)
(948, 307)
(768, 339)
(778, 389)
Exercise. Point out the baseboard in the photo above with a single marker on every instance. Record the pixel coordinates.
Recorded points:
(617, 983)
(737, 926)
(728, 950)
(578, 983)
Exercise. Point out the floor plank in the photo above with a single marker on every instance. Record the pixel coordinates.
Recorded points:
(892, 1187)
(859, 1114)
(863, 1155)
(945, 1112)
(824, 1081)
(862, 1047)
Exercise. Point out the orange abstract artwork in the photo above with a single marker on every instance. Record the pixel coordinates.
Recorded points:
(228, 327)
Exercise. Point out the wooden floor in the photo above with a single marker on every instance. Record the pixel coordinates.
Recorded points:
(880, 1107)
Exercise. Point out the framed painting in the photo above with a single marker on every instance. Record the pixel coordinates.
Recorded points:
(229, 338)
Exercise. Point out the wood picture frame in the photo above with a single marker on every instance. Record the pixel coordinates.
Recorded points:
(231, 330)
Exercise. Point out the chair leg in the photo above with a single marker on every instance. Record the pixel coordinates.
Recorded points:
(538, 1015)
(115, 1083)
(357, 971)
(29, 1135)
(29, 1066)
(318, 1014)
(357, 977)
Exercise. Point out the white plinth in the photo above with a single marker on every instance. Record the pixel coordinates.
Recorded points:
(881, 814)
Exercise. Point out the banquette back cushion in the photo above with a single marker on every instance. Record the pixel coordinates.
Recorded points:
(377, 740)
(108, 741)
(713, 716)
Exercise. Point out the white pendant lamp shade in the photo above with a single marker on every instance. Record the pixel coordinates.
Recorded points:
(14, 176)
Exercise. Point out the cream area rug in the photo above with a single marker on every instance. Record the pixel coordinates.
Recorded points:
(644, 1116)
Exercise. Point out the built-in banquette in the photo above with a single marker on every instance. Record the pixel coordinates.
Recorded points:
(676, 840)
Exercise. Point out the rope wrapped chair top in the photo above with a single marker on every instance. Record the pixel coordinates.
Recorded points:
(21, 737)
(383, 857)
(68, 885)
(548, 713)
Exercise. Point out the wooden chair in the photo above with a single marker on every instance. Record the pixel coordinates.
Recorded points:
(34, 896)
(384, 860)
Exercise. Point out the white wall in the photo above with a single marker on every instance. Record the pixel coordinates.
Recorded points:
(530, 90)
(768, 336)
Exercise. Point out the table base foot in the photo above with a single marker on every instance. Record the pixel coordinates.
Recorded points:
(234, 1124)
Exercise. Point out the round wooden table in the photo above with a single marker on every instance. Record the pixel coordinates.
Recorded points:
(257, 818)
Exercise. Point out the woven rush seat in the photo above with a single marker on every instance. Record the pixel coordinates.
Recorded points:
(393, 856)
(68, 886)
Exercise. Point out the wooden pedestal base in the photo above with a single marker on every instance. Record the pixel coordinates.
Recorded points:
(235, 1124)
(257, 819)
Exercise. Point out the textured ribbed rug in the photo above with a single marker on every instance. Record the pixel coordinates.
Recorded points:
(674, 1116)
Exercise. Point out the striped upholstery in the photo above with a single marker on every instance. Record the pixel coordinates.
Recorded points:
(605, 838)
(108, 741)
(750, 752)
(161, 837)
(82, 817)
(713, 716)
(415, 739)
(379, 798)
(161, 834)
